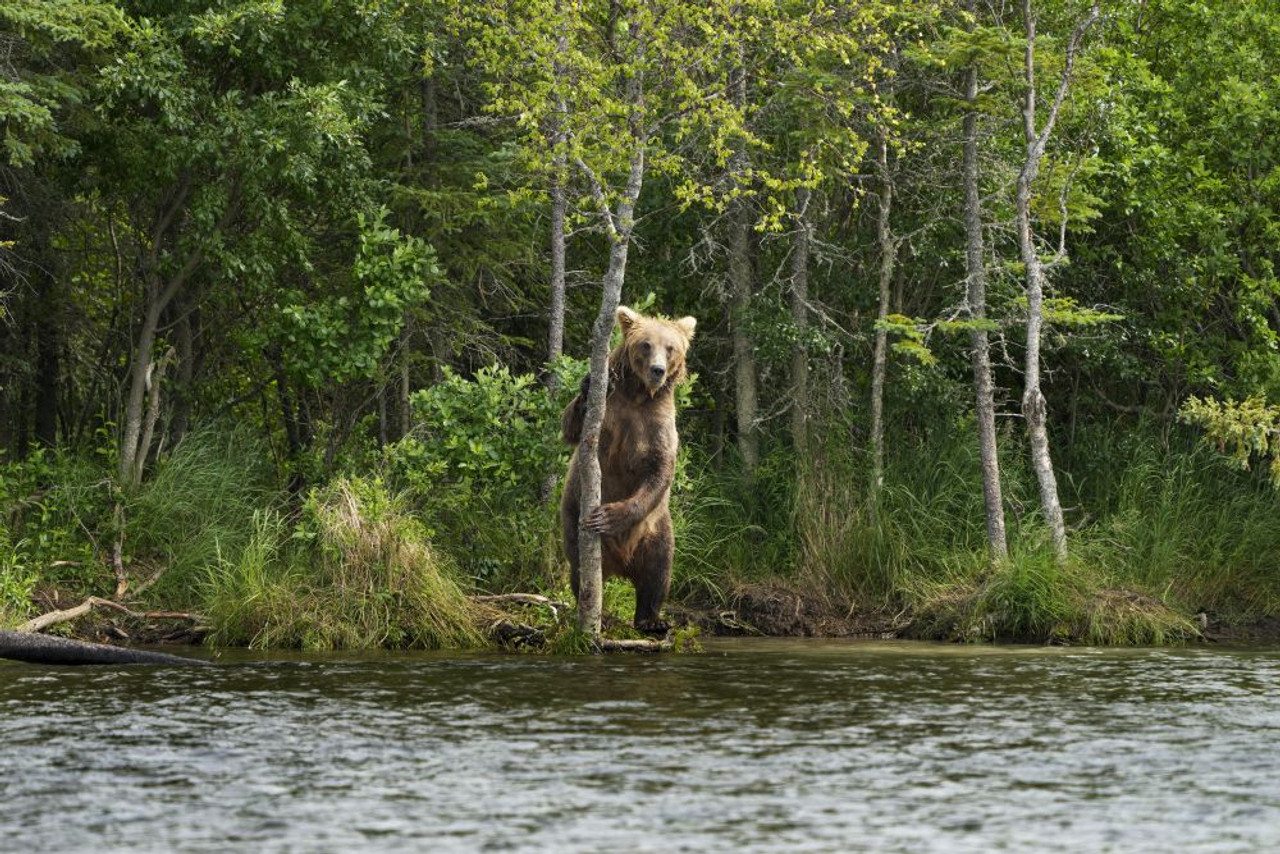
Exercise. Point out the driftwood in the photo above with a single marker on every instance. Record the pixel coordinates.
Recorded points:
(53, 618)
(26, 644)
(501, 599)
(645, 646)
(42, 649)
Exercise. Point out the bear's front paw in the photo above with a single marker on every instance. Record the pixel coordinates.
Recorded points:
(607, 519)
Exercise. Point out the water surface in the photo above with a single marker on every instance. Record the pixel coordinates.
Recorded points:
(756, 746)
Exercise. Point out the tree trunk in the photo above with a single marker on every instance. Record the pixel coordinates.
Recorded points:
(590, 584)
(42, 649)
(555, 326)
(884, 241)
(139, 382)
(184, 344)
(800, 318)
(404, 406)
(747, 403)
(983, 385)
(1034, 408)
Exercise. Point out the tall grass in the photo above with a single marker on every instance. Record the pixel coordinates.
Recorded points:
(198, 508)
(1159, 532)
(729, 528)
(1179, 523)
(357, 573)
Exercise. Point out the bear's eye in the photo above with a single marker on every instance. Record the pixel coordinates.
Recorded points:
(646, 346)
(670, 350)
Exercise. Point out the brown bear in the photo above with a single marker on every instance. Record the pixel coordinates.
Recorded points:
(638, 445)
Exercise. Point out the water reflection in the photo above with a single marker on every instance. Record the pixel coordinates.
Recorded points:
(756, 746)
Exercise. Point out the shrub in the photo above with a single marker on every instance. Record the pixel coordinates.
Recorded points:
(478, 466)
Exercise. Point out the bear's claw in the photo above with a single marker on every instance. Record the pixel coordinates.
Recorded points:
(606, 519)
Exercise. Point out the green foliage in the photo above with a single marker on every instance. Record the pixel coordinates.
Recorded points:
(50, 505)
(348, 335)
(909, 337)
(476, 468)
(1239, 429)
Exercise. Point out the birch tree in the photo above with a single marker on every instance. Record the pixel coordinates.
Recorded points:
(976, 301)
(1036, 137)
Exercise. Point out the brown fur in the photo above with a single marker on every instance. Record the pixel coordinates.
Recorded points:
(638, 445)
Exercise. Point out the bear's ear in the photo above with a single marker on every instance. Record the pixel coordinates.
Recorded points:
(627, 319)
(686, 325)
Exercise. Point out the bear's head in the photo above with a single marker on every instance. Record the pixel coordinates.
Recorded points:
(655, 349)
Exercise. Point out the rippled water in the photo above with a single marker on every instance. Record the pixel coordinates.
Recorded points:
(756, 746)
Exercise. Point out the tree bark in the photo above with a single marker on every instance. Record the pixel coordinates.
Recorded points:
(747, 401)
(800, 240)
(747, 405)
(404, 406)
(555, 326)
(980, 350)
(591, 583)
(741, 288)
(159, 293)
(1034, 407)
(139, 381)
(884, 241)
(153, 414)
(184, 344)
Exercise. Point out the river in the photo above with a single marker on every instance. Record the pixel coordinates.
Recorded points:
(757, 745)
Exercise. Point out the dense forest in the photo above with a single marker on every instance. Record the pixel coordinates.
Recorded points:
(292, 294)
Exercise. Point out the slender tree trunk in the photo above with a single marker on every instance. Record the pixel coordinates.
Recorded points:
(800, 240)
(741, 287)
(559, 212)
(159, 294)
(747, 402)
(983, 384)
(590, 584)
(404, 404)
(884, 241)
(555, 331)
(153, 413)
(1034, 407)
(184, 344)
(139, 383)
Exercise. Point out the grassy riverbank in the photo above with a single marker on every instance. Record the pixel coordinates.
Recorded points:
(1173, 541)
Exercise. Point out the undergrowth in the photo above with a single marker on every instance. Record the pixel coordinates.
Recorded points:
(357, 572)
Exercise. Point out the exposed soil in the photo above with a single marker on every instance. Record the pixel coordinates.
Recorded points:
(1264, 630)
(780, 610)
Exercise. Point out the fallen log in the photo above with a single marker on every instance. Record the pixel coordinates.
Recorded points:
(42, 649)
(641, 646)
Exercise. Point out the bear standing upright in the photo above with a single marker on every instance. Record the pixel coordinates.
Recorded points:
(638, 445)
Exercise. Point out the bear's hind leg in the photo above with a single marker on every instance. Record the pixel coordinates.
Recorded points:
(650, 571)
(569, 529)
